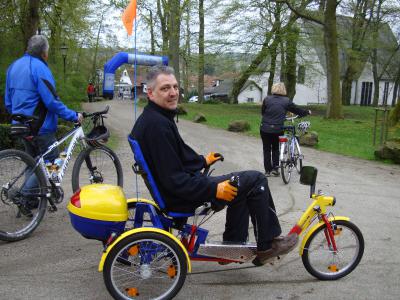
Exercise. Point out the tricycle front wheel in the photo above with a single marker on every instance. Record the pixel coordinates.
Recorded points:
(323, 262)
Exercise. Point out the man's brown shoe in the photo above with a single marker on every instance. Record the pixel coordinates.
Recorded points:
(280, 246)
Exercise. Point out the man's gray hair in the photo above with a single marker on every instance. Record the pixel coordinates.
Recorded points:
(155, 71)
(37, 45)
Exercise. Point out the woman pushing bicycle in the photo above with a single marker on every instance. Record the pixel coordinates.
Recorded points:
(273, 111)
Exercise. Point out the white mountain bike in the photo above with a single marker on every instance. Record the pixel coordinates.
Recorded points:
(23, 204)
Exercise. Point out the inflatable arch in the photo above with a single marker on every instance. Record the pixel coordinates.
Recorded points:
(126, 58)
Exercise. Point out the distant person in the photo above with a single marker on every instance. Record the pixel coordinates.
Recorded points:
(273, 111)
(31, 90)
(90, 91)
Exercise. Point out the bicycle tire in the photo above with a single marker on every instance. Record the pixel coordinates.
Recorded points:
(18, 212)
(285, 164)
(112, 165)
(332, 268)
(298, 161)
(128, 274)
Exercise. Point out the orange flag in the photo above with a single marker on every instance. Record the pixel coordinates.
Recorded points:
(129, 16)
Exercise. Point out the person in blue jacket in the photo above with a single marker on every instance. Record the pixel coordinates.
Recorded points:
(30, 90)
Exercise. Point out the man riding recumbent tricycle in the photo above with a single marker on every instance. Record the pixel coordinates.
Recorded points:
(148, 250)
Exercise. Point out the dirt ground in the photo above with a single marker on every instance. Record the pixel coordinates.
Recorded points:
(57, 263)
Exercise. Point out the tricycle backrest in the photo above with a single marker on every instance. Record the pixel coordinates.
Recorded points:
(145, 172)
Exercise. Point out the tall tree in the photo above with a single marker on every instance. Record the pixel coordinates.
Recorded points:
(357, 53)
(174, 35)
(186, 53)
(31, 20)
(292, 38)
(326, 17)
(262, 54)
(200, 84)
(374, 54)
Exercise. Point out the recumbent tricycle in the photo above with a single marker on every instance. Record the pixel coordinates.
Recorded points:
(148, 250)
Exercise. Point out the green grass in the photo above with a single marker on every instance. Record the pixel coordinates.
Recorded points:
(351, 136)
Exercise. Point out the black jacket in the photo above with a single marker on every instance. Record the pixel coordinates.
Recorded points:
(175, 166)
(274, 110)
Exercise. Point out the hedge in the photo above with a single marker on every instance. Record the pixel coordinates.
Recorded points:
(6, 142)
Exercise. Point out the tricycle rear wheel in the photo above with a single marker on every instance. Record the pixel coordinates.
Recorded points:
(146, 265)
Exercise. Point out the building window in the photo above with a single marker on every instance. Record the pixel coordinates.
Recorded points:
(301, 74)
(250, 100)
(366, 93)
(385, 93)
(251, 88)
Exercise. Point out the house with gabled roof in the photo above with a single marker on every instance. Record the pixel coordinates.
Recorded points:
(311, 84)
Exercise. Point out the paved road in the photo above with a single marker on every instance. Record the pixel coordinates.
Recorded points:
(57, 263)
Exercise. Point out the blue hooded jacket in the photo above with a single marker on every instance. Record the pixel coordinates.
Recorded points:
(30, 90)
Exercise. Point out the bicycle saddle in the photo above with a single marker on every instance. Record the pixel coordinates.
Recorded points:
(21, 118)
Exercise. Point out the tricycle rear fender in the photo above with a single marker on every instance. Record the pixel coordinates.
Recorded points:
(138, 230)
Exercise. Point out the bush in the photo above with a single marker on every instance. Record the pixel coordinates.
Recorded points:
(212, 101)
(5, 140)
(7, 143)
(395, 114)
(4, 115)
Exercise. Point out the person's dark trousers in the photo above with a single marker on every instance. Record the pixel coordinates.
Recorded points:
(254, 199)
(38, 146)
(271, 150)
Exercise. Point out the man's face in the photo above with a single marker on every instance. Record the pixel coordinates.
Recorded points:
(45, 55)
(165, 92)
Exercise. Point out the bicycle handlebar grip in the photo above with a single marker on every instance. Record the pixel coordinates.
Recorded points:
(220, 156)
(234, 181)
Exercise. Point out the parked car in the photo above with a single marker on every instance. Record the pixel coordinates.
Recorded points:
(194, 99)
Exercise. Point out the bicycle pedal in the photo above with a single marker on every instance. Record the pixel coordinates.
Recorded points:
(52, 209)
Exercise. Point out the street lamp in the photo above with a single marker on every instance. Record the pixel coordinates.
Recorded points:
(64, 50)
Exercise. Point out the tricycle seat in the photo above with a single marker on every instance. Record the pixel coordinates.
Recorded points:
(143, 169)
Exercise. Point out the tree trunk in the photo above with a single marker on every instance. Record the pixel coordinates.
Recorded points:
(396, 88)
(200, 75)
(282, 77)
(292, 37)
(238, 84)
(356, 56)
(374, 55)
(152, 38)
(346, 88)
(174, 38)
(186, 56)
(164, 18)
(96, 48)
(374, 58)
(31, 22)
(272, 69)
(334, 109)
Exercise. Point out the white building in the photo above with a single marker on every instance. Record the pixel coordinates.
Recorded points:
(311, 84)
